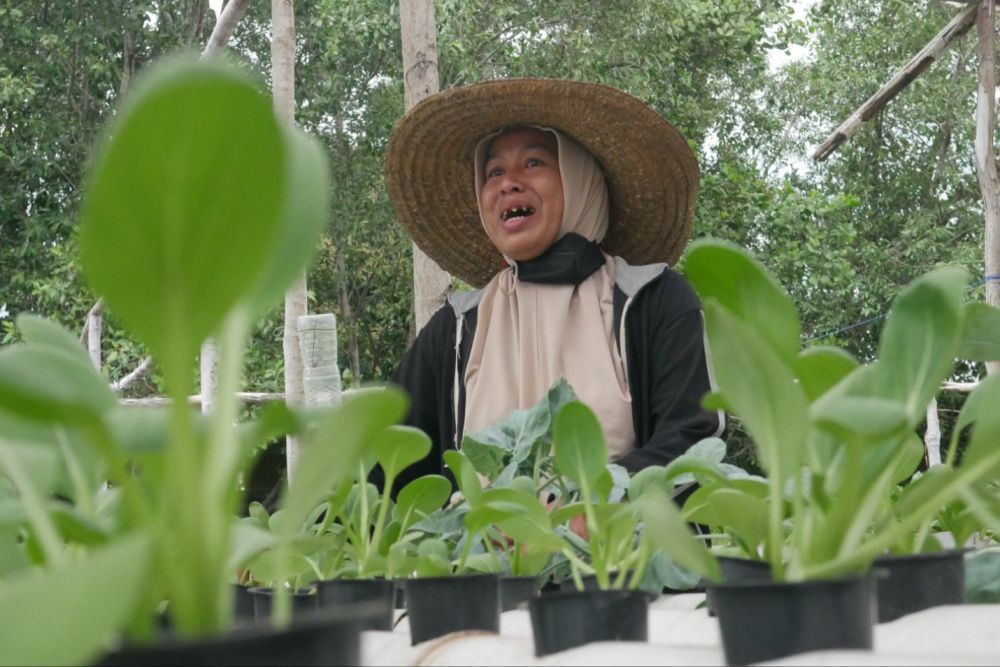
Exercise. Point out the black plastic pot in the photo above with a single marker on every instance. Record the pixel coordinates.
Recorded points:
(326, 637)
(400, 593)
(382, 592)
(766, 621)
(515, 590)
(738, 570)
(304, 600)
(561, 621)
(910, 583)
(439, 605)
(590, 584)
(243, 613)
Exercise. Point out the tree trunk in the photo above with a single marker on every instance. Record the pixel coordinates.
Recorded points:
(283, 82)
(347, 316)
(94, 333)
(420, 79)
(986, 166)
(209, 359)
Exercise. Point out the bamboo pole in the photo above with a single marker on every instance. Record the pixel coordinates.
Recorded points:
(986, 165)
(296, 306)
(431, 283)
(957, 27)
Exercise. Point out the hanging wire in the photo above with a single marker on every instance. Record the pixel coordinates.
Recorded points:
(988, 279)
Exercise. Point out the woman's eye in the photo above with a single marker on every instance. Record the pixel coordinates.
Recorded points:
(533, 162)
(493, 172)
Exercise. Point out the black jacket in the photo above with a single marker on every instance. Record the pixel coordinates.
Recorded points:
(663, 347)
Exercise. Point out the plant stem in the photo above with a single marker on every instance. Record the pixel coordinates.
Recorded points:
(383, 511)
(34, 505)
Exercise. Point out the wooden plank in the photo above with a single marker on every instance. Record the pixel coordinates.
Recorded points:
(957, 27)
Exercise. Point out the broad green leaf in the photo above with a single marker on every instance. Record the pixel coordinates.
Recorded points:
(390, 536)
(528, 521)
(40, 331)
(433, 558)
(84, 605)
(921, 337)
(668, 531)
(421, 497)
(183, 205)
(707, 449)
(247, 542)
(139, 430)
(525, 485)
(742, 286)
(981, 335)
(305, 214)
(580, 451)
(398, 447)
(46, 383)
(686, 469)
(329, 453)
(981, 410)
(648, 477)
(446, 523)
(760, 389)
(563, 514)
(465, 476)
(821, 367)
(860, 420)
(487, 458)
(743, 514)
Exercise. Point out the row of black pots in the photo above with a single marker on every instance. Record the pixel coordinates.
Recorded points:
(319, 636)
(763, 620)
(904, 584)
(559, 620)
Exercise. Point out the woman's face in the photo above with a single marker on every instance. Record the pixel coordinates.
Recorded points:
(522, 195)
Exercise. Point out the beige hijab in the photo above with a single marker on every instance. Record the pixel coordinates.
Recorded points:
(528, 335)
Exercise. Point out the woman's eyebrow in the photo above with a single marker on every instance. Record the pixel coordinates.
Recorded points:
(529, 147)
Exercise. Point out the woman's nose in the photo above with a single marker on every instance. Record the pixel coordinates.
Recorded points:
(510, 183)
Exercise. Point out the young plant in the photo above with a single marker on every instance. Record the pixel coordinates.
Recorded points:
(199, 210)
(835, 437)
(617, 550)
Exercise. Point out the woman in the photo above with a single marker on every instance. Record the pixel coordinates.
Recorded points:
(568, 201)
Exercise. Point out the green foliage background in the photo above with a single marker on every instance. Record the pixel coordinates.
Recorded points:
(843, 236)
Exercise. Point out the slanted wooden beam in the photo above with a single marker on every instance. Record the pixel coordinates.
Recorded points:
(957, 27)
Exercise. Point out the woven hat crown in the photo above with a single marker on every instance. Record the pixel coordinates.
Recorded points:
(651, 172)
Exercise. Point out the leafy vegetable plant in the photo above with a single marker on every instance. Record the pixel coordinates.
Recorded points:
(618, 548)
(200, 209)
(835, 436)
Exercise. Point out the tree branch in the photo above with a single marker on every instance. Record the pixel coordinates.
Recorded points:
(224, 26)
(139, 372)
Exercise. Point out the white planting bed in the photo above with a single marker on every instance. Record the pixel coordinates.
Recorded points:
(682, 634)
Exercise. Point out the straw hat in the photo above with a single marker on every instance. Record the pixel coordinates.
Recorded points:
(651, 172)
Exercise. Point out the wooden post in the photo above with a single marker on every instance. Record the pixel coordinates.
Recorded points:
(932, 436)
(986, 165)
(283, 87)
(420, 80)
(957, 27)
(95, 324)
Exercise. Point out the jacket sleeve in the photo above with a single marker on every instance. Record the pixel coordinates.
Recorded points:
(669, 358)
(426, 374)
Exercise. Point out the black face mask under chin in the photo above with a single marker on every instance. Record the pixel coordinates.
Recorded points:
(570, 261)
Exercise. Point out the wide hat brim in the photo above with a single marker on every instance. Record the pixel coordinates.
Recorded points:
(652, 173)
